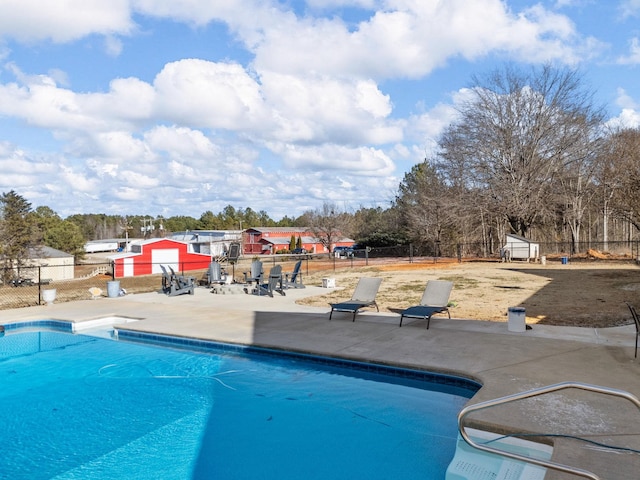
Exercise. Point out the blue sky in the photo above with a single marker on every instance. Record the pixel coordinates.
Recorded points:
(177, 107)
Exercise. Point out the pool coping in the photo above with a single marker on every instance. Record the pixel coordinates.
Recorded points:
(469, 385)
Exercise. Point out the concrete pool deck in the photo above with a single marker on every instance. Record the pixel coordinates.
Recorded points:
(504, 362)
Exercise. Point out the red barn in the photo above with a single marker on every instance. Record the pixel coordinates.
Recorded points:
(146, 258)
(259, 240)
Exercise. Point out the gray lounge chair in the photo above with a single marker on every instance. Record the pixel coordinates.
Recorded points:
(636, 320)
(255, 273)
(363, 296)
(173, 284)
(273, 284)
(435, 299)
(293, 279)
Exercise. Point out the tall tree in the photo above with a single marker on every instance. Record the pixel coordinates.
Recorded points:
(424, 203)
(516, 133)
(620, 176)
(67, 237)
(63, 235)
(17, 231)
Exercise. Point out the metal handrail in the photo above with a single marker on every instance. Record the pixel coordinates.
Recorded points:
(533, 393)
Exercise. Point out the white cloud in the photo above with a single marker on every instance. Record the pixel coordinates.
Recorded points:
(365, 161)
(325, 109)
(629, 116)
(208, 94)
(77, 181)
(411, 39)
(63, 20)
(181, 142)
(624, 100)
(629, 8)
(633, 58)
(113, 46)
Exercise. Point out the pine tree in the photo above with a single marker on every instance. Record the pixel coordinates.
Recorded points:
(16, 231)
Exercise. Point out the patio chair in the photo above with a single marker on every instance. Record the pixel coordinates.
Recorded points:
(273, 284)
(636, 320)
(255, 273)
(215, 275)
(435, 299)
(293, 279)
(363, 296)
(173, 284)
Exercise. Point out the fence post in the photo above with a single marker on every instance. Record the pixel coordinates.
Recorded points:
(39, 285)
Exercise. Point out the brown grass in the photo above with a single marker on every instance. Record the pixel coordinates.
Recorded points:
(586, 294)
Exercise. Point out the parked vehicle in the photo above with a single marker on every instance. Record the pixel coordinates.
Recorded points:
(343, 252)
(22, 282)
(299, 251)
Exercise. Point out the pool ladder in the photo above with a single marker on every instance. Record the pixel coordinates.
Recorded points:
(534, 393)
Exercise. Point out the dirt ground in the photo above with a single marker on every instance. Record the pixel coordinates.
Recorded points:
(583, 293)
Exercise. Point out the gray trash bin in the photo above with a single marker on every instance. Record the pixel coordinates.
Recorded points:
(113, 289)
(517, 320)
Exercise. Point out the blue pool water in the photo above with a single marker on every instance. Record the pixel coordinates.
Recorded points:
(80, 407)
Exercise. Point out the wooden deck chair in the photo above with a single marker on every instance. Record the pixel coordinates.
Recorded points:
(173, 284)
(255, 273)
(435, 299)
(293, 279)
(363, 296)
(273, 284)
(215, 276)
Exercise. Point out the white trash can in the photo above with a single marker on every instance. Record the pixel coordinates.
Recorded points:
(517, 320)
(49, 296)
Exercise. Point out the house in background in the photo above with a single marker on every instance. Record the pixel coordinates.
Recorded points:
(147, 256)
(266, 240)
(54, 264)
(520, 248)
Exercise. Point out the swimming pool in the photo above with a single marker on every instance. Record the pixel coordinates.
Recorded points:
(75, 406)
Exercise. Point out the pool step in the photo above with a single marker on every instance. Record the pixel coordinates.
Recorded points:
(155, 450)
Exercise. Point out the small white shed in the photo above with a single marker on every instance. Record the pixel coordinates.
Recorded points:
(521, 248)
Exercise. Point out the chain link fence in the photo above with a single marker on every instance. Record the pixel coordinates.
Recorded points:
(26, 286)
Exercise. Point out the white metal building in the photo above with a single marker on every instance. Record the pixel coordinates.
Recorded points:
(211, 242)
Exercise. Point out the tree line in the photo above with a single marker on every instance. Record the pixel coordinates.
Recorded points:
(529, 153)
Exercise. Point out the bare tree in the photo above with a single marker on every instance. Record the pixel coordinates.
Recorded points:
(516, 134)
(619, 176)
(575, 188)
(328, 224)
